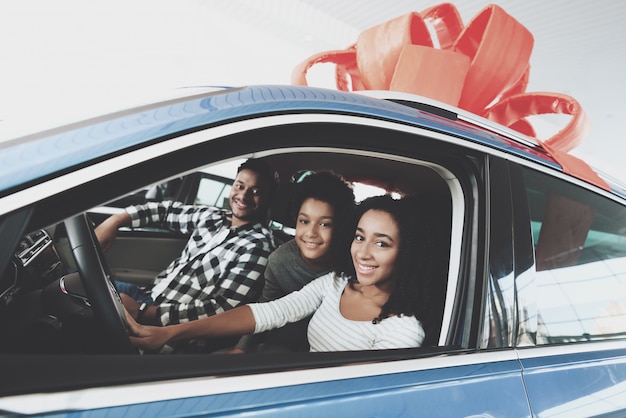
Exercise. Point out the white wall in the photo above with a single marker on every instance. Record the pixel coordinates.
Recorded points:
(72, 58)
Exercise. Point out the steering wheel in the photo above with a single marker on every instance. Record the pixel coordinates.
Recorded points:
(96, 278)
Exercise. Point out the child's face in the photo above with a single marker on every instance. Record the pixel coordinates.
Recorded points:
(375, 248)
(314, 231)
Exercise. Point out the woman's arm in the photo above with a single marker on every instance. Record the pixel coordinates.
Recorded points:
(238, 321)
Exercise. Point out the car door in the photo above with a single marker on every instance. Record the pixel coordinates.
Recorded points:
(575, 364)
(468, 370)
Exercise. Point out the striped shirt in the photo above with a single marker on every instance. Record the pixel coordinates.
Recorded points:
(328, 329)
(220, 267)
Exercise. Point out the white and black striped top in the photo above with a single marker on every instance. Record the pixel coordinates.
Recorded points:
(328, 329)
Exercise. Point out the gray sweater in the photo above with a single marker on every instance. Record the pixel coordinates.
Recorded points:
(286, 272)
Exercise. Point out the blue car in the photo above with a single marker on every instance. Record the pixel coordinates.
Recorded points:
(530, 319)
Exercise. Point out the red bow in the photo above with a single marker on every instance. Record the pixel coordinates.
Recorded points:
(482, 68)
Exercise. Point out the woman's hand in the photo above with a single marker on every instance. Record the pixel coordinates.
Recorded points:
(146, 337)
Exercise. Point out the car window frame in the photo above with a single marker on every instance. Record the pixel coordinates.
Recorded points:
(462, 162)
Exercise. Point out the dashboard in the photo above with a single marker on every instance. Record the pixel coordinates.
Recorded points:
(35, 265)
(43, 305)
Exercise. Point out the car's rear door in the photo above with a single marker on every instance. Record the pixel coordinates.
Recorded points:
(576, 365)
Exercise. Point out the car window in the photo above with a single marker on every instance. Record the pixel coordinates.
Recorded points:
(580, 254)
(168, 190)
(213, 192)
(199, 188)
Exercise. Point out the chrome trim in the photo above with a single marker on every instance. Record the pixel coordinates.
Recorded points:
(36, 248)
(62, 285)
(572, 348)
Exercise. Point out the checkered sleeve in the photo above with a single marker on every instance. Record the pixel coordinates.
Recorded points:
(172, 215)
(240, 282)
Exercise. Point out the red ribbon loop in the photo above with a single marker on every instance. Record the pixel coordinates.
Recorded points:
(482, 67)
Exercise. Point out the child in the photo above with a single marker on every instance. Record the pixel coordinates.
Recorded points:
(322, 207)
(372, 308)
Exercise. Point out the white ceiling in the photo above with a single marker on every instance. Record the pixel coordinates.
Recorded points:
(96, 51)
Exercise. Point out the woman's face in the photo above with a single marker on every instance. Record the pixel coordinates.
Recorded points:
(314, 231)
(375, 247)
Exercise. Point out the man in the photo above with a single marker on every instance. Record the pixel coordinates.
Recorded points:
(221, 266)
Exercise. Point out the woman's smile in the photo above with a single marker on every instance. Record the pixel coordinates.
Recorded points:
(375, 248)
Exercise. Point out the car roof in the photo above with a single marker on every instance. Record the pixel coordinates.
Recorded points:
(46, 154)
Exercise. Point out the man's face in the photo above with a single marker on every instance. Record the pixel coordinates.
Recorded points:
(247, 197)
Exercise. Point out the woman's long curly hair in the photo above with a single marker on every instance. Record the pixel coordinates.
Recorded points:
(420, 260)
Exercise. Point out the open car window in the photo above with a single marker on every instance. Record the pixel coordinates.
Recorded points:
(441, 177)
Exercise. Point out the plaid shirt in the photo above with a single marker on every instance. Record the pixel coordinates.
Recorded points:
(220, 268)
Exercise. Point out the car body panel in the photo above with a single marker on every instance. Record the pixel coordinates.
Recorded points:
(52, 152)
(576, 380)
(488, 383)
(465, 390)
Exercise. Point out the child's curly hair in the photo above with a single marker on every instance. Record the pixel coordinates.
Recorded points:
(331, 188)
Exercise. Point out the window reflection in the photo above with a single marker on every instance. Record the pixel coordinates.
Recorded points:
(580, 256)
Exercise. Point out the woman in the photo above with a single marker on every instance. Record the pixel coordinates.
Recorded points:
(371, 308)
